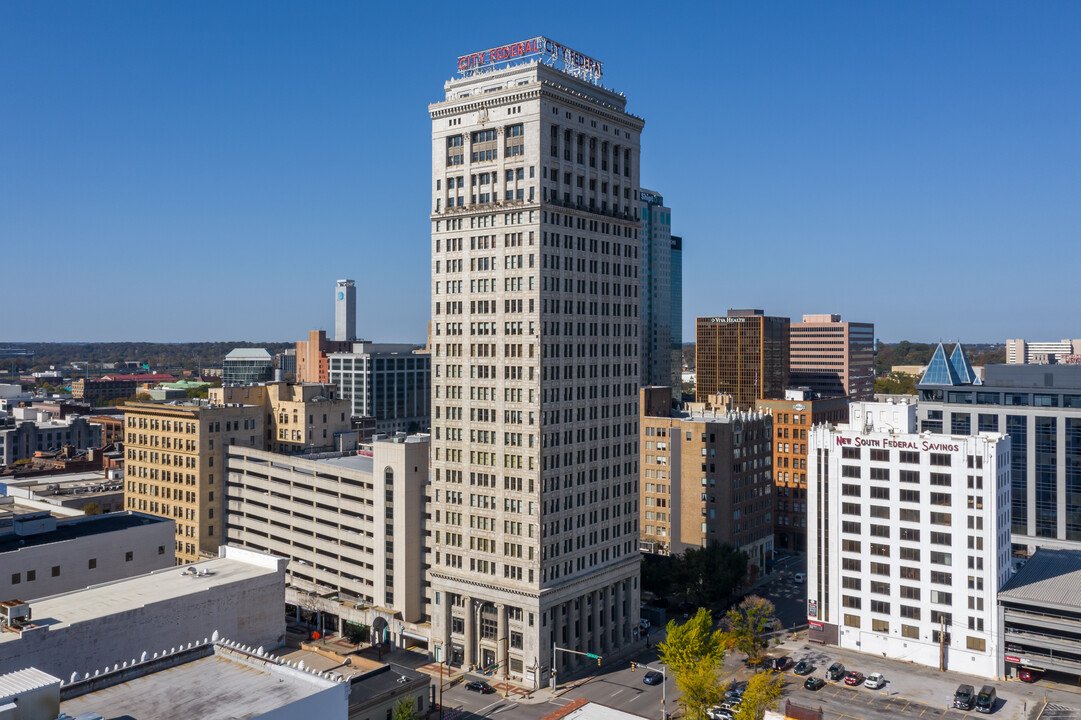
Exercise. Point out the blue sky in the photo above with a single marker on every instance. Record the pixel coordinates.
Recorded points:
(205, 170)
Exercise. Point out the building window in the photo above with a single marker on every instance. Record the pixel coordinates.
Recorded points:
(16, 578)
(910, 631)
(56, 571)
(975, 643)
(882, 626)
(129, 556)
(852, 620)
(92, 563)
(31, 575)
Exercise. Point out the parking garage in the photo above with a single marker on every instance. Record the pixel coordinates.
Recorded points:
(1040, 615)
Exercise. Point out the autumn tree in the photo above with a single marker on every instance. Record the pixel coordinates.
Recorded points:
(699, 690)
(405, 709)
(693, 651)
(761, 694)
(745, 627)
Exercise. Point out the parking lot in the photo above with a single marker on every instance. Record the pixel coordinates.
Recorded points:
(840, 701)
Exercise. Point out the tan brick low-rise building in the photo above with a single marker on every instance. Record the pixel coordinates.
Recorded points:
(793, 418)
(299, 416)
(706, 478)
(175, 466)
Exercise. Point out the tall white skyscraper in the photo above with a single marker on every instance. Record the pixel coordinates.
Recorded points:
(535, 242)
(345, 311)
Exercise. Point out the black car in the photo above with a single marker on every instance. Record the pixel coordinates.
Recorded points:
(653, 678)
(482, 687)
(804, 667)
(836, 672)
(814, 683)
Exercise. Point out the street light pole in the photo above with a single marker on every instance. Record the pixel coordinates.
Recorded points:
(663, 670)
(591, 656)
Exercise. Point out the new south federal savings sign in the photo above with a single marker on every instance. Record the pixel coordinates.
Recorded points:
(887, 443)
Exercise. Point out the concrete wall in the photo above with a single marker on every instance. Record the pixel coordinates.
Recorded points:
(150, 545)
(248, 611)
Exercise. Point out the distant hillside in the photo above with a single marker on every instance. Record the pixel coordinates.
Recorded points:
(909, 353)
(189, 356)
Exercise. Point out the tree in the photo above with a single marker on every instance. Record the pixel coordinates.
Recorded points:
(713, 573)
(91, 508)
(745, 627)
(691, 643)
(898, 383)
(405, 709)
(761, 694)
(693, 651)
(699, 690)
(354, 632)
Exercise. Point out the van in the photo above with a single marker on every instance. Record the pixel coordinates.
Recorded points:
(962, 699)
(985, 701)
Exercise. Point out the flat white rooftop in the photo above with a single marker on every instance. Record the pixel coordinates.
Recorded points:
(209, 688)
(107, 599)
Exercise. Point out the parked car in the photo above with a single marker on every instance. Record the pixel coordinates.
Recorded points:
(962, 699)
(804, 667)
(735, 692)
(874, 681)
(643, 624)
(478, 686)
(720, 713)
(732, 707)
(814, 683)
(836, 672)
(985, 701)
(653, 678)
(1029, 675)
(854, 677)
(781, 664)
(799, 578)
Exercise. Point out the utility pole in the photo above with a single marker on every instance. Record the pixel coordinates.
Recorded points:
(663, 670)
(942, 644)
(441, 689)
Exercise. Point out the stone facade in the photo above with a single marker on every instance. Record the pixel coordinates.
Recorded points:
(535, 354)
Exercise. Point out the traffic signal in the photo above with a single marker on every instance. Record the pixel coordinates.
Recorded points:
(598, 662)
(632, 667)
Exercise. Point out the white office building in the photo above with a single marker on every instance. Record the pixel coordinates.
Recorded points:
(535, 351)
(910, 539)
(1027, 352)
(386, 381)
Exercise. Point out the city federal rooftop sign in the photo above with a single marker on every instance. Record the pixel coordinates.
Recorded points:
(573, 62)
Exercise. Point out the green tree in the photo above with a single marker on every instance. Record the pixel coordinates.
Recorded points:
(761, 694)
(355, 632)
(897, 383)
(745, 627)
(692, 642)
(713, 573)
(405, 709)
(91, 508)
(699, 690)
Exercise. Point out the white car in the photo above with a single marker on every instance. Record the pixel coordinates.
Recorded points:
(874, 681)
(643, 624)
(799, 578)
